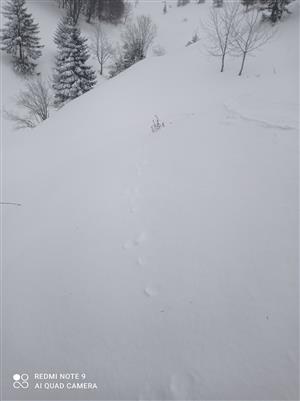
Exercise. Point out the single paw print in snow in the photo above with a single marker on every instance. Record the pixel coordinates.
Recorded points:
(150, 291)
(127, 245)
(140, 261)
(133, 209)
(142, 237)
(139, 170)
(183, 384)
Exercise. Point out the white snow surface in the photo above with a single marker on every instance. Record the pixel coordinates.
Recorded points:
(164, 265)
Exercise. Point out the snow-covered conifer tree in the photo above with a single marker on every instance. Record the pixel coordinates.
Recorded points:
(72, 76)
(19, 36)
(218, 3)
(248, 3)
(275, 8)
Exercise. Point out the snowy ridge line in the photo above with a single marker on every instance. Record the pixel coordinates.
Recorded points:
(261, 123)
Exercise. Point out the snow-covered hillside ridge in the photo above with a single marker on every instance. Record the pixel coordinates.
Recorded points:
(162, 264)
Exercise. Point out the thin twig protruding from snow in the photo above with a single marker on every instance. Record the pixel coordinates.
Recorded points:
(11, 203)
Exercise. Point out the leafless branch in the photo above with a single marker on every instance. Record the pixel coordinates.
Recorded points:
(36, 100)
(140, 35)
(219, 28)
(249, 34)
(101, 47)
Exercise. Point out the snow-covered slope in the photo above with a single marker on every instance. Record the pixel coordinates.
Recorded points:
(163, 265)
(175, 29)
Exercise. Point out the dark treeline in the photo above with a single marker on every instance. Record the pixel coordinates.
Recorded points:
(106, 10)
(273, 8)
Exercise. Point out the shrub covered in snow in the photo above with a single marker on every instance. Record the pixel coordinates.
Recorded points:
(136, 40)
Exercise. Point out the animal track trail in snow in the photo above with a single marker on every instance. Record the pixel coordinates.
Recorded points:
(139, 170)
(134, 196)
(140, 167)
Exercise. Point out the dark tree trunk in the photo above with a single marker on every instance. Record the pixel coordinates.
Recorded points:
(243, 63)
(223, 62)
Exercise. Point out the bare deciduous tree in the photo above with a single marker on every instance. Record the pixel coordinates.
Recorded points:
(249, 34)
(128, 9)
(220, 28)
(136, 38)
(139, 36)
(101, 47)
(36, 99)
(74, 8)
